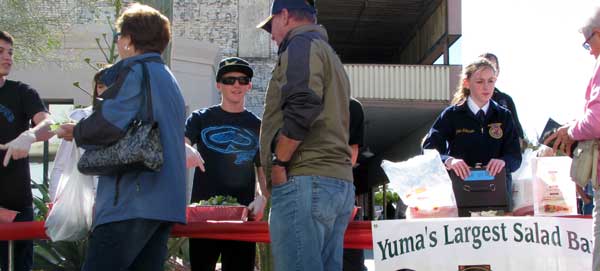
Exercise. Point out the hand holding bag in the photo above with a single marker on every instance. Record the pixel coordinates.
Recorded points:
(584, 164)
(139, 150)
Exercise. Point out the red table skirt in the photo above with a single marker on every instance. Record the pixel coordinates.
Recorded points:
(358, 234)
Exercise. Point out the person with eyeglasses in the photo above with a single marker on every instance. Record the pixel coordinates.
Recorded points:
(135, 211)
(226, 135)
(587, 127)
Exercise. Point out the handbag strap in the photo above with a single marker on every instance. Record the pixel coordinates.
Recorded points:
(146, 86)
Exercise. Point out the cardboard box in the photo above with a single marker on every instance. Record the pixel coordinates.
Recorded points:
(7, 216)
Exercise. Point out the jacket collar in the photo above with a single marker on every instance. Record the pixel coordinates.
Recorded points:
(315, 28)
(475, 108)
(463, 106)
(110, 75)
(138, 57)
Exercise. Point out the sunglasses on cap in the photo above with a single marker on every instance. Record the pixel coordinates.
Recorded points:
(243, 80)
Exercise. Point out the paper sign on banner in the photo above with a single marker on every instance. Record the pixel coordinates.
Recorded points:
(500, 243)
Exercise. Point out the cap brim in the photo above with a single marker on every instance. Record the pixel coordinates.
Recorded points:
(266, 24)
(235, 68)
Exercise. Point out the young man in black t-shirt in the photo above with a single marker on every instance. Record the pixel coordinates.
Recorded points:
(226, 136)
(19, 104)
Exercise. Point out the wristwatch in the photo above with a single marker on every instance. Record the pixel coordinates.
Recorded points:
(276, 162)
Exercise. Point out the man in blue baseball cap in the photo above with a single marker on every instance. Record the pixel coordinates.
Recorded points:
(304, 143)
(279, 5)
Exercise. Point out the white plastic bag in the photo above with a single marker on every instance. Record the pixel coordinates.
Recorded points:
(522, 185)
(70, 218)
(423, 184)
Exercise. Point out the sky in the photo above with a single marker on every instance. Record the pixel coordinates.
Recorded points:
(543, 66)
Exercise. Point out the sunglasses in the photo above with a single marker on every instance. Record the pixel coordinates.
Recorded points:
(243, 80)
(586, 43)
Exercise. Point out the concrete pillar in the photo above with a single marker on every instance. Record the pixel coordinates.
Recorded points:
(253, 42)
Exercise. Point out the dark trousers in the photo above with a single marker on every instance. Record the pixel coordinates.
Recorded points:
(354, 259)
(235, 255)
(135, 244)
(23, 250)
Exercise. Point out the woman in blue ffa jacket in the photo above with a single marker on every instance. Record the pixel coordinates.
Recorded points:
(475, 129)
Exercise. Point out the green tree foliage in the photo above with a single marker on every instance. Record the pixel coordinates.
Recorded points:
(31, 29)
(37, 25)
(390, 196)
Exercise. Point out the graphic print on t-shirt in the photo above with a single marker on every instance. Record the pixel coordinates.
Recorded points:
(231, 140)
(7, 113)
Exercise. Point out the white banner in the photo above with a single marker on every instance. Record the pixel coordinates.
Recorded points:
(500, 243)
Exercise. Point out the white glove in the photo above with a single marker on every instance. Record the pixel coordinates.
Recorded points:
(193, 158)
(19, 147)
(257, 207)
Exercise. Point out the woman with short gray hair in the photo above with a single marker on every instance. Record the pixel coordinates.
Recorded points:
(586, 127)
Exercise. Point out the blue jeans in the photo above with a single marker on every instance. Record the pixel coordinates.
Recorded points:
(135, 244)
(308, 218)
(587, 209)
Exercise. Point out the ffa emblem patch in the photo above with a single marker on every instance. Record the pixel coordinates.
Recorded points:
(495, 130)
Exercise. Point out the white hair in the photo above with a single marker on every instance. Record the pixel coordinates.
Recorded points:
(592, 22)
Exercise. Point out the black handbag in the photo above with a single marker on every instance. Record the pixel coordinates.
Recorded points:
(139, 150)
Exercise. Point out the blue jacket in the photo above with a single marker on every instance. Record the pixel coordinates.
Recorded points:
(148, 195)
(458, 133)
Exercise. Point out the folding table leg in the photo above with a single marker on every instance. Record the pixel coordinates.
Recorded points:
(11, 255)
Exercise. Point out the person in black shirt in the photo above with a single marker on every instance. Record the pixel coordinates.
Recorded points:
(226, 136)
(504, 99)
(354, 258)
(357, 128)
(19, 105)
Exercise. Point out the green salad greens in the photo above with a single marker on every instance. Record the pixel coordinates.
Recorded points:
(220, 200)
(55, 126)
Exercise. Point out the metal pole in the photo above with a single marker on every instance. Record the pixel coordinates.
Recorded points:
(45, 163)
(384, 202)
(11, 266)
